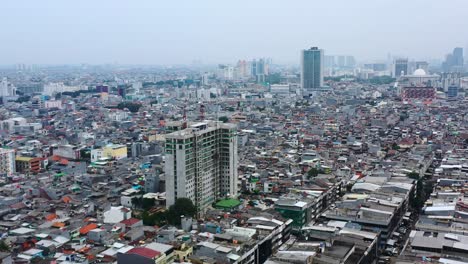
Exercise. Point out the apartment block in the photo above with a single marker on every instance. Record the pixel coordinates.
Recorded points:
(201, 162)
(7, 162)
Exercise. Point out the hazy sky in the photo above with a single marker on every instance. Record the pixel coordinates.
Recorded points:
(177, 31)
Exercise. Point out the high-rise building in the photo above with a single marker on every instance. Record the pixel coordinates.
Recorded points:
(7, 162)
(6, 88)
(312, 68)
(205, 79)
(454, 61)
(341, 61)
(350, 61)
(400, 67)
(201, 162)
(329, 61)
(452, 91)
(458, 56)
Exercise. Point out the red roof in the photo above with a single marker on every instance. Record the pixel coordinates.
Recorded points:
(63, 162)
(130, 221)
(85, 229)
(144, 252)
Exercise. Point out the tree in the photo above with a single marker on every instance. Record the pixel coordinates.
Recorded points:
(314, 172)
(181, 207)
(136, 201)
(224, 119)
(4, 246)
(23, 99)
(147, 203)
(413, 175)
(133, 107)
(159, 218)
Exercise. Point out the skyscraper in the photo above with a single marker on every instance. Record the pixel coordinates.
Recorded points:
(458, 57)
(201, 162)
(312, 68)
(454, 61)
(400, 67)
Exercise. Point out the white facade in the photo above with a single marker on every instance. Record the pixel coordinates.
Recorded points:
(10, 124)
(53, 104)
(280, 89)
(7, 161)
(54, 88)
(7, 89)
(117, 214)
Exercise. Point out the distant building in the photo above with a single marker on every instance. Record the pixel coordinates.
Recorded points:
(417, 92)
(53, 104)
(452, 91)
(7, 162)
(400, 67)
(454, 61)
(280, 89)
(6, 88)
(28, 164)
(102, 88)
(201, 163)
(110, 151)
(312, 68)
(422, 65)
(55, 88)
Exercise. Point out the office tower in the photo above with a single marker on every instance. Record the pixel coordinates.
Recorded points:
(260, 71)
(7, 162)
(452, 91)
(312, 68)
(454, 61)
(400, 67)
(253, 68)
(200, 162)
(205, 79)
(458, 56)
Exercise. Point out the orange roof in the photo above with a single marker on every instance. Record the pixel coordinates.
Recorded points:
(50, 217)
(84, 249)
(58, 224)
(55, 158)
(66, 199)
(64, 162)
(85, 229)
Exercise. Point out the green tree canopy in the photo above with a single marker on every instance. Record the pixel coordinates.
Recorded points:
(224, 119)
(181, 207)
(133, 107)
(313, 173)
(413, 175)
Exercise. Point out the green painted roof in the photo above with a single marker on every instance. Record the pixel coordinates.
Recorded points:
(228, 203)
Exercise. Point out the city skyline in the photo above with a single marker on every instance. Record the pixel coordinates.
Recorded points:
(180, 32)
